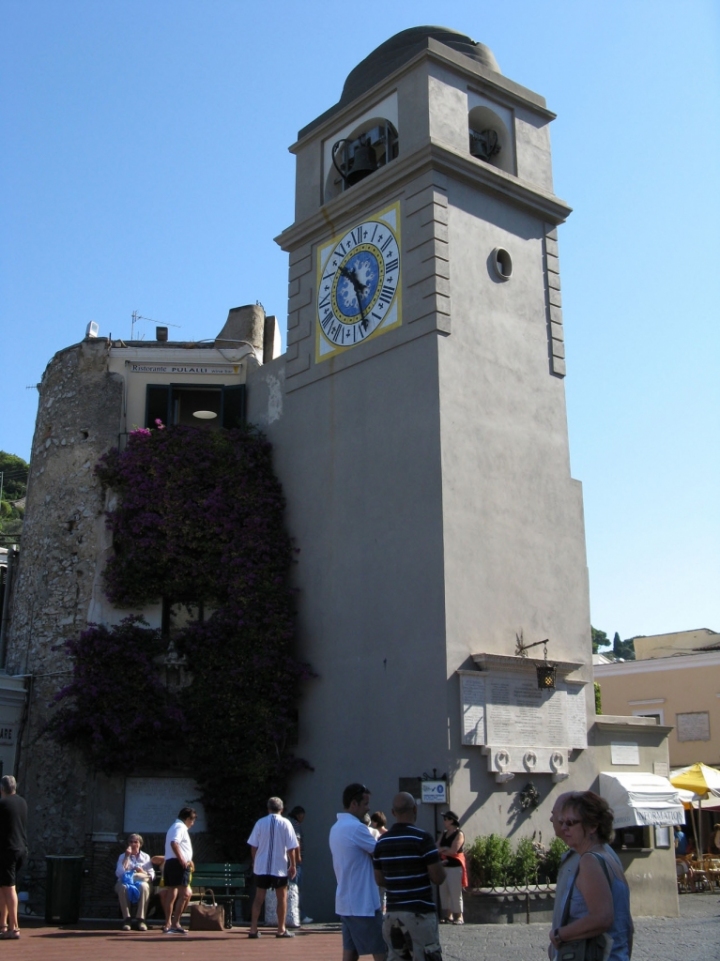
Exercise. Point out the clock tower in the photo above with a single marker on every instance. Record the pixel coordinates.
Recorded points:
(419, 424)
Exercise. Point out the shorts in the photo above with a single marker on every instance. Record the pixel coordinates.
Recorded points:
(10, 864)
(266, 881)
(175, 875)
(363, 934)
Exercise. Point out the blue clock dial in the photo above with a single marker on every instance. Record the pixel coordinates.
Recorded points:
(359, 283)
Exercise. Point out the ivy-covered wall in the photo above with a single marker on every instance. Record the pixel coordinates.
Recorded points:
(198, 520)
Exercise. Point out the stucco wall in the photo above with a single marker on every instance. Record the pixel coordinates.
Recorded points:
(651, 874)
(668, 686)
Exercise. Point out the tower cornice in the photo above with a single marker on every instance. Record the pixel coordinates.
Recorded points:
(431, 157)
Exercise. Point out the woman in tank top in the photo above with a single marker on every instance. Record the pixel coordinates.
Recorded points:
(599, 899)
(450, 847)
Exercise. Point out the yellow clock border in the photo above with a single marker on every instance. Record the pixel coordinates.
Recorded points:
(393, 317)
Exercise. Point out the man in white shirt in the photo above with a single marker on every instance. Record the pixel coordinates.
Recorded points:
(137, 861)
(357, 899)
(273, 846)
(176, 870)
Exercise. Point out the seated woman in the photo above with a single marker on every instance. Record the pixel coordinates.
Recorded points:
(134, 872)
(599, 899)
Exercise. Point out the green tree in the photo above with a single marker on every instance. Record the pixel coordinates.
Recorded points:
(624, 649)
(14, 472)
(599, 639)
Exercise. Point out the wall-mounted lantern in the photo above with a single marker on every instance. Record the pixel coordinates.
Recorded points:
(546, 672)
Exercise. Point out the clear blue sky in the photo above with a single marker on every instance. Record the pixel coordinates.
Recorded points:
(144, 166)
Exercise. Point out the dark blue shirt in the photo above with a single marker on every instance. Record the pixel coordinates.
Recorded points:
(681, 846)
(403, 856)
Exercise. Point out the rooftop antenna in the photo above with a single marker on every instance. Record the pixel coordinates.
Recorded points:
(136, 317)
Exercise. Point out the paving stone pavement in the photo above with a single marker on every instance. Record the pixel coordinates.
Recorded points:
(695, 936)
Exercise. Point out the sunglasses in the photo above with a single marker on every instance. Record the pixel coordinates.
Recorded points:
(568, 822)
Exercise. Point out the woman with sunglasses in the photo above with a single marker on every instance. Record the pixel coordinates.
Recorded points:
(599, 899)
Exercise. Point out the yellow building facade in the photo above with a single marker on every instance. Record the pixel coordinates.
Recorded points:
(676, 679)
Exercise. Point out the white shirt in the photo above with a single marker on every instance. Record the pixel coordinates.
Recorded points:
(352, 845)
(140, 863)
(180, 834)
(273, 836)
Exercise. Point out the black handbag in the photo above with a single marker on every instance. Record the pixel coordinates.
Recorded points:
(207, 917)
(586, 949)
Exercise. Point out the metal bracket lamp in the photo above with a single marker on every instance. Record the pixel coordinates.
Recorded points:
(546, 673)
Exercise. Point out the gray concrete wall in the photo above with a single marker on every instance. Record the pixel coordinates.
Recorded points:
(512, 515)
(358, 455)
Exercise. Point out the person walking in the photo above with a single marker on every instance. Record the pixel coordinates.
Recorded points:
(13, 850)
(599, 898)
(273, 846)
(177, 869)
(568, 864)
(405, 862)
(357, 899)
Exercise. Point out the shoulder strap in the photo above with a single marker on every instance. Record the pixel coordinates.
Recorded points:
(603, 865)
(566, 909)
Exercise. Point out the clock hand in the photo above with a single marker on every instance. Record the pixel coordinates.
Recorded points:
(357, 287)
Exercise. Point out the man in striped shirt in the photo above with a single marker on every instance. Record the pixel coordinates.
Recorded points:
(406, 860)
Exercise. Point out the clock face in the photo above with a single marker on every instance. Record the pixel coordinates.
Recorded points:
(358, 283)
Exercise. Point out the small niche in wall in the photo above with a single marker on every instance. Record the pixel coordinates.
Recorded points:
(501, 264)
(490, 137)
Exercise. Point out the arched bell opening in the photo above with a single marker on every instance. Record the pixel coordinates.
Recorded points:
(490, 139)
(366, 149)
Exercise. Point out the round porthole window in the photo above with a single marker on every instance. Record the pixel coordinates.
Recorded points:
(502, 263)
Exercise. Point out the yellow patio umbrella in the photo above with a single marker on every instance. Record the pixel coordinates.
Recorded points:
(698, 778)
(701, 780)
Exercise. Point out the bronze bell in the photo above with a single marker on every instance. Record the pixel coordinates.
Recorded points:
(363, 163)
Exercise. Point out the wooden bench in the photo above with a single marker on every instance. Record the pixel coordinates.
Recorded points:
(226, 880)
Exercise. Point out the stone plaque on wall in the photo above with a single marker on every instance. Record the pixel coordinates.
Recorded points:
(510, 709)
(624, 752)
(693, 726)
(152, 803)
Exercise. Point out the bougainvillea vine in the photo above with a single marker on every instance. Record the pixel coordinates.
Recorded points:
(196, 517)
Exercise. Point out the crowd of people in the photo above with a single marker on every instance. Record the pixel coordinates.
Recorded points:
(386, 876)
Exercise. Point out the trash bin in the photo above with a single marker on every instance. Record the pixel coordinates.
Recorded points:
(62, 890)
